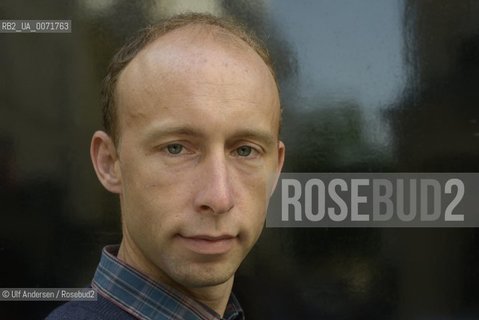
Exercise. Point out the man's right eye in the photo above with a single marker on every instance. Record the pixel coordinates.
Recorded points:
(174, 148)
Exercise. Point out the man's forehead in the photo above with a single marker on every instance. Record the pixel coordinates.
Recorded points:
(191, 49)
(194, 45)
(176, 63)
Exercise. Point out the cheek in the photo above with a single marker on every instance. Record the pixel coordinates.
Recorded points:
(150, 200)
(255, 193)
(257, 184)
(254, 199)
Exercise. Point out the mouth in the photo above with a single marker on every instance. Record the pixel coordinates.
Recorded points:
(208, 244)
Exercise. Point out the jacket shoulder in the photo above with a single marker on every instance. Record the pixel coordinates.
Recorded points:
(101, 309)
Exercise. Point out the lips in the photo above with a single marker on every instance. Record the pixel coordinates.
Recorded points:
(208, 244)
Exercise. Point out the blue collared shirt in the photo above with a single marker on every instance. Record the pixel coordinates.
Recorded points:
(141, 297)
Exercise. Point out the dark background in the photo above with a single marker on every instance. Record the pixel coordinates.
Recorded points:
(367, 86)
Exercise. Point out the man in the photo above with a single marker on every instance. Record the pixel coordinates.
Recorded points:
(191, 146)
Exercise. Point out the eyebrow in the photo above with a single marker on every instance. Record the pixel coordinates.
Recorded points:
(163, 131)
(185, 130)
(260, 135)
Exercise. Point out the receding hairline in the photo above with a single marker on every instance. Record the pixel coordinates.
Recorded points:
(223, 30)
(197, 37)
(187, 42)
(202, 35)
(201, 30)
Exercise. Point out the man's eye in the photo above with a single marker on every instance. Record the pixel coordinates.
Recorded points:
(244, 151)
(174, 148)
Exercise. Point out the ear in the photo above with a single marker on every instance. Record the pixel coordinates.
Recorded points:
(105, 161)
(281, 152)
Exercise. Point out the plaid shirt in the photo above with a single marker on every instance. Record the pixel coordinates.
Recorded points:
(145, 299)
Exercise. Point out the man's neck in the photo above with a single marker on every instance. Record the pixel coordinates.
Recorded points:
(215, 297)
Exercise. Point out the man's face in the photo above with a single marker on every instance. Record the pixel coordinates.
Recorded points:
(198, 154)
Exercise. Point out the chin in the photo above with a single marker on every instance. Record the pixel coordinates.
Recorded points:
(197, 282)
(199, 277)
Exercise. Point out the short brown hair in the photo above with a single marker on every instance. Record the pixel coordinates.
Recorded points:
(147, 35)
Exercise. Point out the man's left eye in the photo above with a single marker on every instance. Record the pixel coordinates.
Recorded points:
(174, 148)
(244, 151)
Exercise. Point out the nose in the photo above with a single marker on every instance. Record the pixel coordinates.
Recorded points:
(214, 190)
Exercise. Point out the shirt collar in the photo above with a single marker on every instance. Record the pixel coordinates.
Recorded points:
(140, 296)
